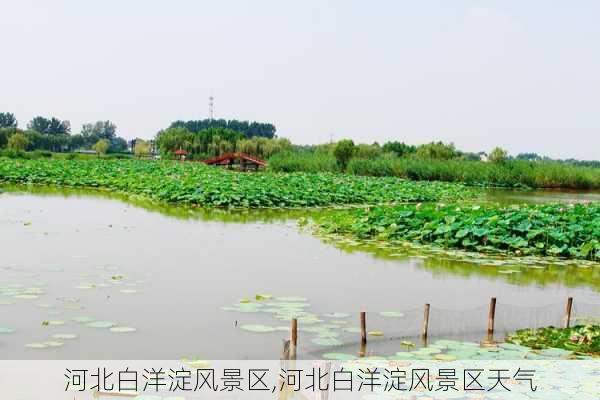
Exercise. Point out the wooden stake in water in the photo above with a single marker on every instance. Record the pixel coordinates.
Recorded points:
(568, 309)
(491, 317)
(425, 322)
(294, 338)
(363, 327)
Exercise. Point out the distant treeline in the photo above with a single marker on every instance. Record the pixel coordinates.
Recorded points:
(248, 129)
(209, 138)
(53, 134)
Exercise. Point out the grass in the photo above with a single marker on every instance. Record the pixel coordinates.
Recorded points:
(303, 162)
(571, 232)
(510, 174)
(196, 183)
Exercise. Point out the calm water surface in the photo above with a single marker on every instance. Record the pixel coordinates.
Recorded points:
(167, 271)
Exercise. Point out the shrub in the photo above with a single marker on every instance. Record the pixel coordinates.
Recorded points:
(343, 152)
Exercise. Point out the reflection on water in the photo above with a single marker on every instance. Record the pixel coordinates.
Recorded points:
(508, 196)
(68, 256)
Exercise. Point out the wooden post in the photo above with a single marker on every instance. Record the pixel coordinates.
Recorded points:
(568, 312)
(363, 327)
(294, 338)
(425, 322)
(491, 317)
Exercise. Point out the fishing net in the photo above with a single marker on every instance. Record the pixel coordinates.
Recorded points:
(386, 330)
(585, 313)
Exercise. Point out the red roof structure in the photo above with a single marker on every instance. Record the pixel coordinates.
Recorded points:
(181, 152)
(245, 160)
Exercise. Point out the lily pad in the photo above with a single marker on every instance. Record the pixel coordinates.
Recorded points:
(391, 314)
(339, 356)
(64, 336)
(375, 333)
(36, 346)
(122, 329)
(101, 324)
(83, 320)
(258, 328)
(337, 315)
(326, 341)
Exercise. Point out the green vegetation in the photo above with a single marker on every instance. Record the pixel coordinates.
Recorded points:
(17, 142)
(343, 152)
(438, 162)
(196, 183)
(246, 128)
(510, 173)
(543, 230)
(213, 142)
(581, 338)
(101, 146)
(52, 134)
(141, 148)
(303, 162)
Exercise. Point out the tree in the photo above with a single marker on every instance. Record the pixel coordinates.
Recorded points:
(141, 148)
(437, 150)
(173, 139)
(368, 151)
(398, 148)
(343, 152)
(7, 120)
(5, 133)
(498, 155)
(18, 141)
(248, 129)
(101, 146)
(117, 145)
(99, 130)
(49, 126)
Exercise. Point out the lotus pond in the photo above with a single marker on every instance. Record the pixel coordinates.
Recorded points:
(101, 275)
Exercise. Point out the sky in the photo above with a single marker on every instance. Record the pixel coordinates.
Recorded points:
(523, 75)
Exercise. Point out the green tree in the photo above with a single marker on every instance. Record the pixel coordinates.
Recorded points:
(141, 148)
(101, 146)
(5, 133)
(399, 148)
(368, 151)
(498, 155)
(343, 152)
(18, 141)
(437, 150)
(99, 130)
(49, 126)
(173, 139)
(7, 120)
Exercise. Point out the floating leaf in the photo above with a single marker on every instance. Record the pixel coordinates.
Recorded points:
(339, 356)
(257, 328)
(375, 333)
(101, 324)
(391, 314)
(122, 329)
(64, 336)
(326, 341)
(83, 320)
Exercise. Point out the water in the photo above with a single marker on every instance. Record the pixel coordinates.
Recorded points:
(92, 251)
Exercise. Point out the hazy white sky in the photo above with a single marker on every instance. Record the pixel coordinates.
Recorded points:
(521, 74)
